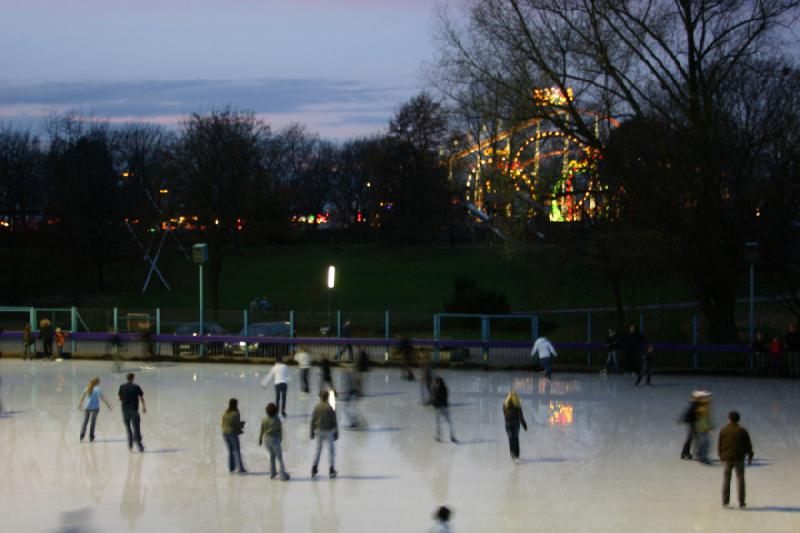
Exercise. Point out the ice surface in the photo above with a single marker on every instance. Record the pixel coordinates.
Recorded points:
(600, 455)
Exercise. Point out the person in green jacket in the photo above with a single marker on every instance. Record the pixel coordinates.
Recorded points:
(272, 434)
(232, 427)
(324, 427)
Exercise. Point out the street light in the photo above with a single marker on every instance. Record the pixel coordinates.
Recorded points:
(200, 256)
(331, 284)
(751, 258)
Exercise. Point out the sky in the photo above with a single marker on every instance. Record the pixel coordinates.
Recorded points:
(340, 67)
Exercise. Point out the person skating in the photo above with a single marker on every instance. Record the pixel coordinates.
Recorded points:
(634, 344)
(733, 447)
(407, 356)
(442, 518)
(232, 427)
(646, 365)
(703, 426)
(325, 428)
(612, 345)
(441, 408)
(130, 394)
(279, 373)
(325, 375)
(545, 350)
(272, 435)
(93, 395)
(349, 395)
(303, 360)
(689, 417)
(346, 333)
(60, 338)
(512, 412)
(425, 380)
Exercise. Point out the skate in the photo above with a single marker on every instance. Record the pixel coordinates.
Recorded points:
(314, 471)
(332, 472)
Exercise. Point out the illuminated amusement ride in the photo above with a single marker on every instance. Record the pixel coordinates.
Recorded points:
(549, 171)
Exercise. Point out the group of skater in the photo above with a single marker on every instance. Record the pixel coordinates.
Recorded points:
(48, 336)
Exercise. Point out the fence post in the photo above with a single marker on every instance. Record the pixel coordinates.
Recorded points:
(116, 320)
(291, 331)
(158, 330)
(338, 324)
(535, 326)
(695, 361)
(485, 339)
(436, 328)
(32, 319)
(641, 322)
(245, 329)
(589, 338)
(73, 326)
(386, 335)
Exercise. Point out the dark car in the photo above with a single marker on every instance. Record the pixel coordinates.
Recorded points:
(193, 329)
(262, 349)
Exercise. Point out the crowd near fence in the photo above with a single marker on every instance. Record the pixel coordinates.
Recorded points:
(677, 333)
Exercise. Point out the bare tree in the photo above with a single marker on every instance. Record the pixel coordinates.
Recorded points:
(669, 72)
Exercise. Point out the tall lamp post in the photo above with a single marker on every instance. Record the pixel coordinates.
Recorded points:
(331, 284)
(200, 256)
(751, 258)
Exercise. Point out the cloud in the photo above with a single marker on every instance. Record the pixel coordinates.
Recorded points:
(332, 107)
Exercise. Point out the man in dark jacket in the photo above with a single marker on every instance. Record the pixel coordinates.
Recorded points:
(689, 417)
(634, 343)
(733, 446)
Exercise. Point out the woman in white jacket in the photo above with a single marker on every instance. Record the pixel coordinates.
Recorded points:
(545, 350)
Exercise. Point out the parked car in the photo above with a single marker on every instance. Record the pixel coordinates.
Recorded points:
(262, 349)
(193, 329)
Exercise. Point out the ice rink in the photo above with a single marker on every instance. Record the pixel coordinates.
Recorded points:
(600, 455)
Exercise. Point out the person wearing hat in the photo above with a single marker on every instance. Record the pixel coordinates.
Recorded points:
(442, 517)
(703, 426)
(689, 417)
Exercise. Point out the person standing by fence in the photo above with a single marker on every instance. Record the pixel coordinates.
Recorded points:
(612, 345)
(280, 373)
(46, 334)
(544, 349)
(646, 365)
(92, 394)
(512, 413)
(28, 344)
(130, 394)
(792, 344)
(60, 338)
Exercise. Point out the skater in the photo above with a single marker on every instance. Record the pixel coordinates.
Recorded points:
(703, 426)
(324, 428)
(28, 344)
(349, 347)
(325, 376)
(303, 360)
(92, 394)
(732, 447)
(689, 417)
(634, 344)
(545, 350)
(362, 367)
(612, 345)
(232, 427)
(349, 396)
(646, 365)
(60, 338)
(442, 517)
(406, 350)
(775, 350)
(760, 349)
(46, 334)
(425, 380)
(272, 429)
(512, 412)
(441, 408)
(280, 373)
(129, 395)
